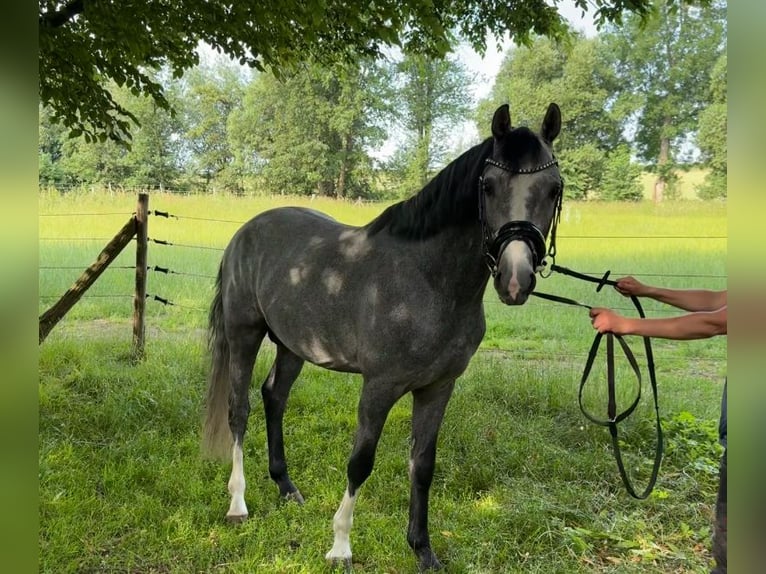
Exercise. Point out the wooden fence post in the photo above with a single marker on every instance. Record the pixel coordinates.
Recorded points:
(53, 315)
(139, 298)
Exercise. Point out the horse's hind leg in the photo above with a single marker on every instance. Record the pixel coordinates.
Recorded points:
(275, 391)
(243, 349)
(428, 406)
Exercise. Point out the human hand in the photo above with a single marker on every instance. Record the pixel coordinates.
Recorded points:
(606, 321)
(628, 286)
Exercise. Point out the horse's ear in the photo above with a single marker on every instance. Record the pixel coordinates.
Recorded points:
(551, 123)
(501, 122)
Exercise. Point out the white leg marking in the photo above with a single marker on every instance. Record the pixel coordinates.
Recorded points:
(341, 525)
(237, 509)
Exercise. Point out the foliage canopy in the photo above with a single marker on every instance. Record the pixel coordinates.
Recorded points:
(83, 44)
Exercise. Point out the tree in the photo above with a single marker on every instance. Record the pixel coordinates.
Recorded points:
(311, 132)
(576, 75)
(84, 163)
(212, 92)
(582, 168)
(664, 65)
(152, 160)
(50, 151)
(432, 96)
(711, 136)
(84, 44)
(573, 73)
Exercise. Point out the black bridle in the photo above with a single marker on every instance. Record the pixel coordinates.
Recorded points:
(518, 230)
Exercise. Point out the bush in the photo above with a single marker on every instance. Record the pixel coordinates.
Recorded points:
(621, 180)
(668, 172)
(713, 187)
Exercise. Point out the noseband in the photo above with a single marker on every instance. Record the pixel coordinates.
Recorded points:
(518, 230)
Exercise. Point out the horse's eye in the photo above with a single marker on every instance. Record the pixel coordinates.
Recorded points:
(487, 188)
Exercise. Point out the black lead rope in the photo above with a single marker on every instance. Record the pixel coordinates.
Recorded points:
(613, 416)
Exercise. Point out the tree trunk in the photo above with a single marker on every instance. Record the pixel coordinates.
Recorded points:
(340, 190)
(426, 152)
(662, 161)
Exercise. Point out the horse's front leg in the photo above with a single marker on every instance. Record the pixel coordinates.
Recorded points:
(428, 408)
(374, 406)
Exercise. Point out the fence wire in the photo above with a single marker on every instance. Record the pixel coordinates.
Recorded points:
(161, 301)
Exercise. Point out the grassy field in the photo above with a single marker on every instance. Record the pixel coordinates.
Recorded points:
(523, 483)
(687, 184)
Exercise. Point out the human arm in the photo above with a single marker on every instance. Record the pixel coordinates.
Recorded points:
(696, 325)
(687, 299)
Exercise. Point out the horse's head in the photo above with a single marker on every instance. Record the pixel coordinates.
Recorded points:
(520, 198)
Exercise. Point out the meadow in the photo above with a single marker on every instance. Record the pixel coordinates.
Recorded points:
(688, 182)
(524, 483)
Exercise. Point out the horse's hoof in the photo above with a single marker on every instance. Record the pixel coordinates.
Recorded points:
(428, 562)
(341, 562)
(236, 518)
(295, 496)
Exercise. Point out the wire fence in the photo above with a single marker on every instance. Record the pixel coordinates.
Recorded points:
(207, 279)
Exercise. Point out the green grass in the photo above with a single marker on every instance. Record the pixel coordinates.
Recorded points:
(523, 483)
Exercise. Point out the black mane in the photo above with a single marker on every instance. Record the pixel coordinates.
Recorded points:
(450, 198)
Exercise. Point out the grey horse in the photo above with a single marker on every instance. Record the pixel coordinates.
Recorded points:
(398, 300)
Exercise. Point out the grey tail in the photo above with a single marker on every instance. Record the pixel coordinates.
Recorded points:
(217, 439)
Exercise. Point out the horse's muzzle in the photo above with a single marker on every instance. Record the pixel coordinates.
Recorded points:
(516, 289)
(515, 278)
